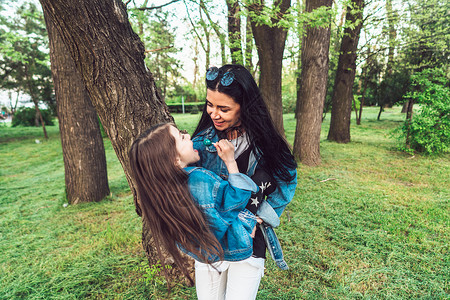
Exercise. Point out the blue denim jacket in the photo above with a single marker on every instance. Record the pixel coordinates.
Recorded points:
(222, 201)
(277, 200)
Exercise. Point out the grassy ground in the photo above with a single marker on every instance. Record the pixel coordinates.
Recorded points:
(369, 223)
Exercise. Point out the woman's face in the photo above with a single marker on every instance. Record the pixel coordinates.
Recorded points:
(186, 152)
(223, 110)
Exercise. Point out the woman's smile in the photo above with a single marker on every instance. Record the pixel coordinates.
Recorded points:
(223, 110)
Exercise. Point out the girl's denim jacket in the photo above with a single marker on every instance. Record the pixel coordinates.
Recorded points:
(223, 201)
(277, 200)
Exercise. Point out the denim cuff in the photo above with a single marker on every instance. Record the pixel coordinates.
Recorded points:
(274, 247)
(268, 214)
(242, 182)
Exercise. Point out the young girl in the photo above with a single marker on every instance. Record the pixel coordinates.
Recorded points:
(191, 208)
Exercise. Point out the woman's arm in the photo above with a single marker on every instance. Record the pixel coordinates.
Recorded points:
(283, 194)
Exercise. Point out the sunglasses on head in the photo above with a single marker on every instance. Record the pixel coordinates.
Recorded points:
(214, 72)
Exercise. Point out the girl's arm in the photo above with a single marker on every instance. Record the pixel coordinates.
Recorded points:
(225, 150)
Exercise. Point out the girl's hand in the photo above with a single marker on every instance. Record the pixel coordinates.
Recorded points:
(225, 150)
(252, 235)
(260, 221)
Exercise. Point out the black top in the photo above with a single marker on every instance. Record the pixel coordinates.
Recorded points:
(259, 245)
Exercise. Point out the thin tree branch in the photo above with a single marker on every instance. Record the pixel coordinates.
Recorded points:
(159, 49)
(156, 7)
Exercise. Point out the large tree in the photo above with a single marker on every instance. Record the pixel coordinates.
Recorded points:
(313, 88)
(270, 39)
(82, 143)
(110, 59)
(345, 75)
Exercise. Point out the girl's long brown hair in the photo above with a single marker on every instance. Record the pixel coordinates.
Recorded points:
(167, 205)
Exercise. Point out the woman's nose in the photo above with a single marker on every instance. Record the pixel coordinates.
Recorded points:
(214, 114)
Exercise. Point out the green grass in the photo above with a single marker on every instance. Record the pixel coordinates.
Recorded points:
(368, 223)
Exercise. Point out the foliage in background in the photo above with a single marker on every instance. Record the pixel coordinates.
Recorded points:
(429, 129)
(158, 36)
(26, 116)
(425, 41)
(24, 56)
(392, 89)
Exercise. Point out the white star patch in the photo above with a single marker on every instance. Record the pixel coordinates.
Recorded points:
(255, 201)
(264, 186)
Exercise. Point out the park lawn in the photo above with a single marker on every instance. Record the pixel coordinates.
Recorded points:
(368, 223)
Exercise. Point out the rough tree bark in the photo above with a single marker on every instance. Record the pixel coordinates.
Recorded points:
(110, 59)
(270, 43)
(345, 75)
(312, 91)
(82, 143)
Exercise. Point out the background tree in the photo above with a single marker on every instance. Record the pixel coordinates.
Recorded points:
(24, 63)
(82, 143)
(217, 29)
(312, 91)
(248, 52)
(345, 74)
(234, 31)
(337, 27)
(205, 41)
(425, 40)
(270, 32)
(158, 37)
(110, 59)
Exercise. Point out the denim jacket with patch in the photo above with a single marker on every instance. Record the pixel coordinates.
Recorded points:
(277, 200)
(223, 202)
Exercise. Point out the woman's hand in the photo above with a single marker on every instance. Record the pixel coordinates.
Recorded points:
(225, 150)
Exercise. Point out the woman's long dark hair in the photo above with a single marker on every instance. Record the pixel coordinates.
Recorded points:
(163, 192)
(277, 158)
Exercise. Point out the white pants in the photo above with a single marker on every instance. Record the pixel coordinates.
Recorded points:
(230, 280)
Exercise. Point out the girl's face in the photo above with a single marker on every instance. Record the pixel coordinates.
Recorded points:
(223, 110)
(186, 152)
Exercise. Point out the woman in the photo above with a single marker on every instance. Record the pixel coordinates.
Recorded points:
(235, 111)
(190, 208)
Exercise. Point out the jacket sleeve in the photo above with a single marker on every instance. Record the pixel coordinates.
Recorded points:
(284, 193)
(222, 202)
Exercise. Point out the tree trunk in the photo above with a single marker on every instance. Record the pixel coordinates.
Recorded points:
(248, 45)
(379, 112)
(409, 114)
(39, 118)
(208, 41)
(234, 32)
(312, 91)
(392, 17)
(345, 75)
(82, 143)
(354, 107)
(363, 98)
(196, 71)
(270, 43)
(110, 58)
